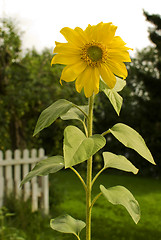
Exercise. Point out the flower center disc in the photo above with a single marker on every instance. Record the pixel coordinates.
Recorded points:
(94, 53)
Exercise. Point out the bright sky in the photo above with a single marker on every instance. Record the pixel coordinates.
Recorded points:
(42, 20)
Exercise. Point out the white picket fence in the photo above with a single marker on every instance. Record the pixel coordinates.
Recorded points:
(13, 168)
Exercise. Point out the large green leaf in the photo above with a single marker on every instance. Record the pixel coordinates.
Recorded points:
(132, 139)
(112, 160)
(121, 195)
(78, 148)
(50, 114)
(120, 84)
(67, 224)
(75, 113)
(44, 167)
(115, 99)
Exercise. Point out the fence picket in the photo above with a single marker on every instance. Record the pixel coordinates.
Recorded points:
(17, 174)
(8, 174)
(34, 189)
(24, 173)
(45, 187)
(1, 180)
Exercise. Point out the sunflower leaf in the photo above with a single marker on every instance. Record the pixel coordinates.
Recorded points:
(115, 99)
(78, 148)
(120, 84)
(121, 195)
(132, 139)
(67, 224)
(75, 113)
(50, 114)
(44, 167)
(112, 160)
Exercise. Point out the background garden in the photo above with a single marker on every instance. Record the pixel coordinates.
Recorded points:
(28, 84)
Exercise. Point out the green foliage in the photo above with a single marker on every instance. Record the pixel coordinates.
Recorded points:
(7, 232)
(130, 138)
(120, 195)
(28, 84)
(44, 167)
(78, 148)
(67, 224)
(115, 99)
(119, 162)
(115, 222)
(143, 99)
(64, 199)
(50, 114)
(34, 225)
(75, 113)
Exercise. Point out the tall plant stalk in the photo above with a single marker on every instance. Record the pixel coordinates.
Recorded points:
(89, 173)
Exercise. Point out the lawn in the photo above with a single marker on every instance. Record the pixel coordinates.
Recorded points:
(111, 221)
(108, 221)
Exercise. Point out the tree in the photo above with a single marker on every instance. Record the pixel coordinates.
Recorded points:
(145, 80)
(28, 84)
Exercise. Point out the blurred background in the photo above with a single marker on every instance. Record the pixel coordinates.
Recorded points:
(28, 83)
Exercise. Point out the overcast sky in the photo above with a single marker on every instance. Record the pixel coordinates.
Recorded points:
(42, 20)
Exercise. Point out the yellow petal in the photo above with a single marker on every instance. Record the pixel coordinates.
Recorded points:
(118, 43)
(121, 56)
(71, 72)
(92, 84)
(65, 59)
(89, 83)
(82, 35)
(72, 36)
(102, 32)
(118, 68)
(96, 79)
(89, 80)
(106, 33)
(107, 75)
(82, 78)
(66, 48)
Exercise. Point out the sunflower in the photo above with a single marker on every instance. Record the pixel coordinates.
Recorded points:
(90, 54)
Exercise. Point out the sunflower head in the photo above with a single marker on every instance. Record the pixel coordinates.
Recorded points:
(92, 53)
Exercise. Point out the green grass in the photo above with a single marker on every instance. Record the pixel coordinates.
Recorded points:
(111, 221)
(108, 221)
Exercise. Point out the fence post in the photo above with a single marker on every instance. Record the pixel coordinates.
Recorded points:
(1, 180)
(34, 184)
(17, 173)
(24, 173)
(45, 186)
(8, 173)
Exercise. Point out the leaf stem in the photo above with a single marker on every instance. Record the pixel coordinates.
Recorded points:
(78, 237)
(106, 132)
(85, 128)
(94, 179)
(81, 110)
(79, 176)
(95, 199)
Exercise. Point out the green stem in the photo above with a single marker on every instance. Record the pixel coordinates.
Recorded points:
(89, 173)
(94, 179)
(95, 199)
(78, 238)
(81, 111)
(85, 128)
(106, 132)
(79, 176)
